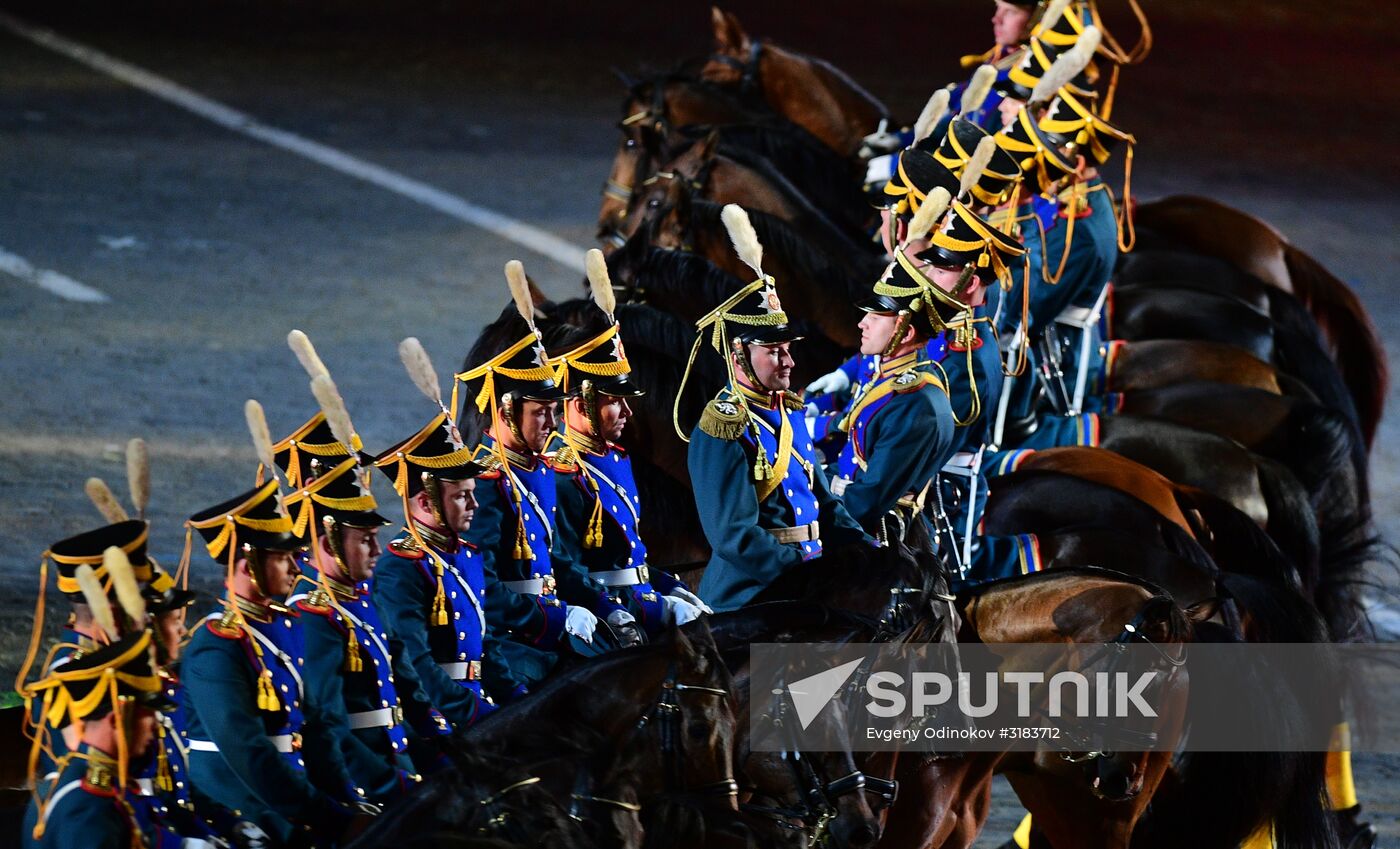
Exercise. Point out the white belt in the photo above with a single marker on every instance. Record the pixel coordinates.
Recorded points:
(530, 586)
(628, 577)
(284, 743)
(963, 463)
(462, 670)
(381, 718)
(147, 786)
(838, 485)
(810, 532)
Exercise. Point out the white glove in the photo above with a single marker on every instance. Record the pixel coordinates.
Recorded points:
(618, 618)
(679, 611)
(196, 843)
(247, 835)
(836, 381)
(580, 622)
(687, 596)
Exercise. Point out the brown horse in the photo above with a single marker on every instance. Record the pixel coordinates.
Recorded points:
(807, 91)
(943, 801)
(749, 181)
(652, 110)
(1154, 363)
(815, 284)
(1212, 228)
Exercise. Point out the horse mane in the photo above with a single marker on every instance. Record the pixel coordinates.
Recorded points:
(811, 214)
(812, 262)
(689, 276)
(825, 68)
(643, 90)
(825, 178)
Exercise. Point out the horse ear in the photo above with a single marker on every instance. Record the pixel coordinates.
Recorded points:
(729, 34)
(708, 146)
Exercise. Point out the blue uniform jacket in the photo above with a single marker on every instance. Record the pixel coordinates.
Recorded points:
(745, 556)
(278, 790)
(376, 755)
(900, 427)
(592, 483)
(81, 816)
(433, 662)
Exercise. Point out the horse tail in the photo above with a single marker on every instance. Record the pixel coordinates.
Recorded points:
(1300, 350)
(1242, 546)
(1221, 798)
(1292, 522)
(1355, 344)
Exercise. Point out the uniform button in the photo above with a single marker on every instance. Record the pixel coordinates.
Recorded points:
(789, 492)
(614, 508)
(300, 762)
(287, 622)
(284, 688)
(384, 702)
(631, 543)
(301, 661)
(456, 615)
(797, 510)
(180, 784)
(379, 682)
(532, 537)
(454, 593)
(295, 703)
(461, 635)
(461, 657)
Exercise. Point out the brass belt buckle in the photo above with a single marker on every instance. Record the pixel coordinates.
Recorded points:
(296, 741)
(473, 670)
(396, 712)
(548, 584)
(643, 573)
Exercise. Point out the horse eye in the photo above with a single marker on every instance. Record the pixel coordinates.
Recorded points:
(653, 203)
(629, 143)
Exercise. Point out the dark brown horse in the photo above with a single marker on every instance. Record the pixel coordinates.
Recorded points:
(819, 283)
(738, 177)
(1214, 229)
(662, 115)
(809, 92)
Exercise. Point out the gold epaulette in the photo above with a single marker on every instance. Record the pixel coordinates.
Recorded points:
(723, 419)
(487, 459)
(406, 547)
(915, 379)
(565, 459)
(793, 401)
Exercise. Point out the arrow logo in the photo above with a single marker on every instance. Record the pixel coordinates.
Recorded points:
(810, 694)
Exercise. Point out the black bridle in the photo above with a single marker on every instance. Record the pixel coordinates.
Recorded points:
(817, 799)
(666, 715)
(748, 69)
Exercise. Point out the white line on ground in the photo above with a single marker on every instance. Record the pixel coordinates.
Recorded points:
(50, 281)
(111, 447)
(545, 244)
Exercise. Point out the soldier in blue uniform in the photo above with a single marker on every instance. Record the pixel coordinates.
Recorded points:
(349, 667)
(430, 585)
(538, 601)
(759, 485)
(81, 632)
(257, 743)
(114, 692)
(599, 508)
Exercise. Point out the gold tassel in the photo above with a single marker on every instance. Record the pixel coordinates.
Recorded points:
(267, 694)
(353, 663)
(593, 538)
(522, 545)
(440, 598)
(164, 780)
(762, 469)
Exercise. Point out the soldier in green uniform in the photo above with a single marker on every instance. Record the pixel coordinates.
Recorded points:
(430, 585)
(257, 743)
(114, 694)
(762, 495)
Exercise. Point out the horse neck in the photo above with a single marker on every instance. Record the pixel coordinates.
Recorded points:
(687, 105)
(1057, 609)
(731, 182)
(817, 99)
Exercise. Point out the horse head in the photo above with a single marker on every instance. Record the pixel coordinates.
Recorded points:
(733, 49)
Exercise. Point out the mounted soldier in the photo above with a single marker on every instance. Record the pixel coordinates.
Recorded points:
(763, 497)
(430, 584)
(257, 743)
(538, 601)
(599, 508)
